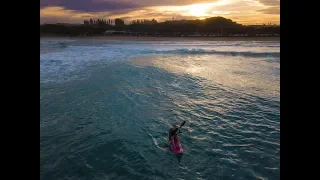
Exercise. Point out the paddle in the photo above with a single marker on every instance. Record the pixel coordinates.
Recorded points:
(180, 127)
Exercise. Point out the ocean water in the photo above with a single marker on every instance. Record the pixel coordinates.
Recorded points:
(106, 108)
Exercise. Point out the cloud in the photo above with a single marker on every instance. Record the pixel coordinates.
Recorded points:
(88, 5)
(170, 2)
(270, 2)
(113, 5)
(270, 10)
(60, 14)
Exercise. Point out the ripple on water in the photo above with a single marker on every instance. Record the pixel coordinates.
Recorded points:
(114, 123)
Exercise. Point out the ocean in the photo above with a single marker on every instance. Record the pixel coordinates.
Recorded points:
(106, 107)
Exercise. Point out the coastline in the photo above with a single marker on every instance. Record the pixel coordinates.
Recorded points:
(153, 38)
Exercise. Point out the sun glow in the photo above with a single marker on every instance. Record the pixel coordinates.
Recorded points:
(201, 10)
(198, 10)
(241, 11)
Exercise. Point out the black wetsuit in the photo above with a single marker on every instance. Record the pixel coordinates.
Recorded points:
(172, 132)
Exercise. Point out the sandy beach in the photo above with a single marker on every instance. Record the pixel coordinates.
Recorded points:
(149, 38)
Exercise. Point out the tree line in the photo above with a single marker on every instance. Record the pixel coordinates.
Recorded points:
(98, 21)
(217, 25)
(116, 22)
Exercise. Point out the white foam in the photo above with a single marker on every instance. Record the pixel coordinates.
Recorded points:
(74, 59)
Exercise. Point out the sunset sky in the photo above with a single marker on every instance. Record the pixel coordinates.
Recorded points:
(242, 11)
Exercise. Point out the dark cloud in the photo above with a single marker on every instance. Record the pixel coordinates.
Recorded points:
(170, 2)
(270, 10)
(122, 11)
(113, 5)
(89, 5)
(270, 2)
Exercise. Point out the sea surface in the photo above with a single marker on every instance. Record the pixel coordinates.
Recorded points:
(106, 108)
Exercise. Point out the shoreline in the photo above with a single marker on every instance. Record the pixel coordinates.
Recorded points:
(151, 38)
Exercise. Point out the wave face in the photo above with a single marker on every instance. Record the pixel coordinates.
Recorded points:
(106, 108)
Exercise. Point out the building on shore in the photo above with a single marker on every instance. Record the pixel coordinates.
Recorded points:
(114, 32)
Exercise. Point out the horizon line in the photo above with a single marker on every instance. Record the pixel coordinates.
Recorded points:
(255, 24)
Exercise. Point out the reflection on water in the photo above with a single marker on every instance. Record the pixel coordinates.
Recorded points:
(251, 74)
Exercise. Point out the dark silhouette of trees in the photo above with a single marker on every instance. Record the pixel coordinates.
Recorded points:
(119, 24)
(144, 21)
(97, 22)
(213, 25)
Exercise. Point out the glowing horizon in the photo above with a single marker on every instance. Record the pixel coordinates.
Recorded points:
(241, 11)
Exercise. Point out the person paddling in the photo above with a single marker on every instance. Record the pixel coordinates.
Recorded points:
(173, 136)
